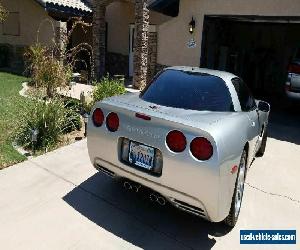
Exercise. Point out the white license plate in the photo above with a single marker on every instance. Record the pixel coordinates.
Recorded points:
(141, 155)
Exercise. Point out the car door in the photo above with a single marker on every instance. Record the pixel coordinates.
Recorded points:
(248, 105)
(254, 129)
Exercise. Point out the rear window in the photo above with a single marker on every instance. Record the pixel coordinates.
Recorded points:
(189, 90)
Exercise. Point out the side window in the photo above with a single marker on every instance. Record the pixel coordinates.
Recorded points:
(245, 97)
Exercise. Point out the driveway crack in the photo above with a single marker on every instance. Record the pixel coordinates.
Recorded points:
(273, 194)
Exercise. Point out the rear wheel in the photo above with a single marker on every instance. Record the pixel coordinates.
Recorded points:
(263, 145)
(236, 203)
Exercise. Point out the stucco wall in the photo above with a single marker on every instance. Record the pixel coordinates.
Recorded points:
(173, 35)
(31, 16)
(119, 15)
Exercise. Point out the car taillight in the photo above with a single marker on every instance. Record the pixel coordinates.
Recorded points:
(176, 141)
(98, 117)
(112, 122)
(294, 68)
(201, 148)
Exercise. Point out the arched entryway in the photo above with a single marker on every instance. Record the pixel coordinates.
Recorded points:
(141, 22)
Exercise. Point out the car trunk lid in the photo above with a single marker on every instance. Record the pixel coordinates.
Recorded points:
(135, 107)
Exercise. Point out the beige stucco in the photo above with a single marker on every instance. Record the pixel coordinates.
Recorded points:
(31, 16)
(173, 35)
(119, 15)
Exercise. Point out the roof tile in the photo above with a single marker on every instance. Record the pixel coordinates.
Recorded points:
(82, 5)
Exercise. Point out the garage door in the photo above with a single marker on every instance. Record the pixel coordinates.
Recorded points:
(258, 49)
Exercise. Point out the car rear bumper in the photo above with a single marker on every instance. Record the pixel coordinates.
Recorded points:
(186, 183)
(178, 199)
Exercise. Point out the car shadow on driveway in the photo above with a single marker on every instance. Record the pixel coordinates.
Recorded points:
(284, 125)
(134, 218)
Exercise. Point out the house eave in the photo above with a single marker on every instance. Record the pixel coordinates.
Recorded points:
(166, 7)
(62, 12)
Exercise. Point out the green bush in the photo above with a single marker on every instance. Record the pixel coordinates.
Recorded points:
(73, 109)
(46, 69)
(107, 87)
(52, 119)
(73, 121)
(72, 104)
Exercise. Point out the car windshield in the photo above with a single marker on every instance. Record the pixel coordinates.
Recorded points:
(189, 90)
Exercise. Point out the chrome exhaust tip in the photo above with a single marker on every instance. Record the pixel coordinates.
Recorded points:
(127, 185)
(158, 198)
(153, 197)
(161, 200)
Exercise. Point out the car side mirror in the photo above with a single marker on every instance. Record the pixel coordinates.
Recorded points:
(264, 106)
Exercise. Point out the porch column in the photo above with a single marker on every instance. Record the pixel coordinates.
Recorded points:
(141, 44)
(61, 33)
(99, 33)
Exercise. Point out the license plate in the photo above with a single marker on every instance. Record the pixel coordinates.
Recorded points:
(141, 155)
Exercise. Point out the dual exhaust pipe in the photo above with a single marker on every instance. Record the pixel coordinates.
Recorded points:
(131, 186)
(154, 197)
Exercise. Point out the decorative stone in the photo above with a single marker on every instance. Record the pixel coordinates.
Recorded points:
(99, 33)
(152, 55)
(140, 61)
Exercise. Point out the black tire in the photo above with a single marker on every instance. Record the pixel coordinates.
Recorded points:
(263, 145)
(233, 215)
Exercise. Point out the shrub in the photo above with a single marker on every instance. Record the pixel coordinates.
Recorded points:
(73, 107)
(46, 70)
(52, 119)
(107, 87)
(72, 104)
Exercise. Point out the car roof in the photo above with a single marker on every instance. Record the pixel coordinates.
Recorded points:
(222, 74)
(226, 76)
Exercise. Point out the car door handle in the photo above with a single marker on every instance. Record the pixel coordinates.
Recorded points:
(253, 124)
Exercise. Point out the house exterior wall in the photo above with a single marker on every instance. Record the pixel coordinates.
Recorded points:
(173, 35)
(119, 15)
(31, 14)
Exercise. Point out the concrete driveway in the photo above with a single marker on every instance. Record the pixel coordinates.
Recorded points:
(58, 201)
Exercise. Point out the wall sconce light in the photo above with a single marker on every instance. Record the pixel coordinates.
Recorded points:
(192, 26)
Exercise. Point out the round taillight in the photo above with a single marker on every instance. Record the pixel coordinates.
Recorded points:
(98, 117)
(176, 141)
(201, 148)
(112, 122)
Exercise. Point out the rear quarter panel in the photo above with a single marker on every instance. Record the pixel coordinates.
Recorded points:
(232, 136)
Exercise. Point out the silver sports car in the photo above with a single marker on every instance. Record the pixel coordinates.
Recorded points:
(189, 137)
